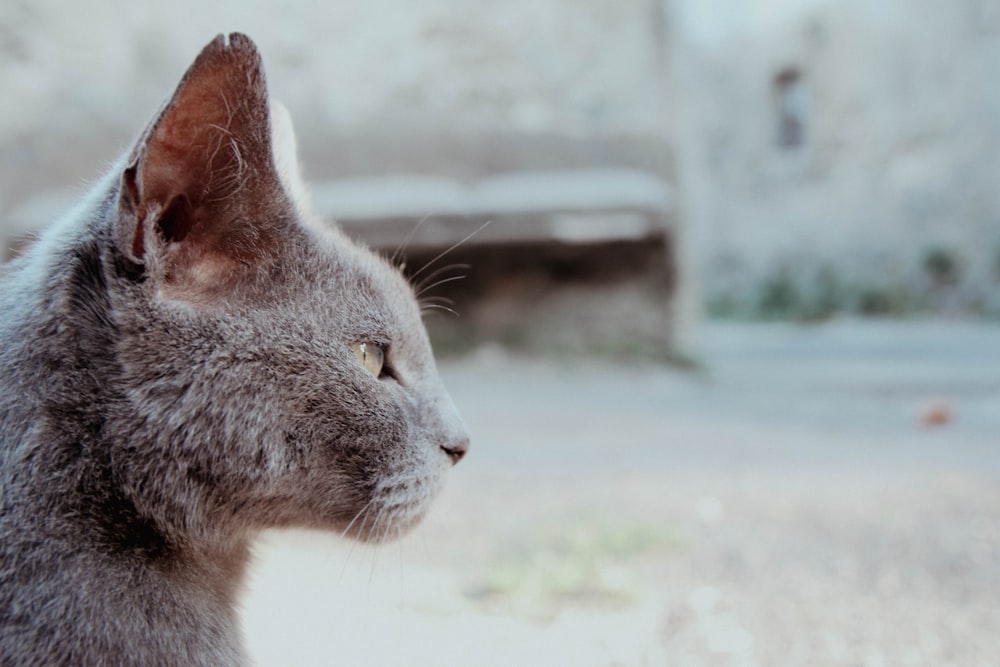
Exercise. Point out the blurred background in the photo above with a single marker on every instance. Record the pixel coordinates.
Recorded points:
(727, 346)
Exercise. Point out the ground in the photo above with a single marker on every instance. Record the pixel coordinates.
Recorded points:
(822, 495)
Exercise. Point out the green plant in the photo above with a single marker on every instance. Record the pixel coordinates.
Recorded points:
(779, 296)
(586, 559)
(942, 265)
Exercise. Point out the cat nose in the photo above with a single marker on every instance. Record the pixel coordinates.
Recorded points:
(457, 449)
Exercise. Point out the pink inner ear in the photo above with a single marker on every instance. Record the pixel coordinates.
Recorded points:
(138, 247)
(129, 200)
(176, 221)
(206, 162)
(213, 136)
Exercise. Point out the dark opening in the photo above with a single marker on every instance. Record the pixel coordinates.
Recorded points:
(790, 108)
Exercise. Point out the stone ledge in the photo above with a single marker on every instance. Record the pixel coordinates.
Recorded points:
(573, 206)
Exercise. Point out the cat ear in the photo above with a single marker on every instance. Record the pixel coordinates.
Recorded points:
(200, 189)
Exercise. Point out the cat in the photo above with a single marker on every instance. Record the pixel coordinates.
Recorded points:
(187, 358)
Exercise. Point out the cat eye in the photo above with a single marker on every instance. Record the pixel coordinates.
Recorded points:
(371, 355)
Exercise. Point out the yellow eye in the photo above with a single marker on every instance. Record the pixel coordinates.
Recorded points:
(371, 356)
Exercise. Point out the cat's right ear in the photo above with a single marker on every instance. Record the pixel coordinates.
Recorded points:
(200, 186)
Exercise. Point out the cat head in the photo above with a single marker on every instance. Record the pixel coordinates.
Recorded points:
(270, 371)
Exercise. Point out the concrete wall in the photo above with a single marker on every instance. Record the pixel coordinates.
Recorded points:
(443, 86)
(454, 88)
(892, 201)
(889, 204)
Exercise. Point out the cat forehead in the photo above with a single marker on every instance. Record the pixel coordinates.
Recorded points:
(349, 258)
(348, 266)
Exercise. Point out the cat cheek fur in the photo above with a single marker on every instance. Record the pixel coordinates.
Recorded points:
(393, 470)
(284, 431)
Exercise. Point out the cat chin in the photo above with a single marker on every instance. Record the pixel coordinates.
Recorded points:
(385, 524)
(396, 507)
(390, 528)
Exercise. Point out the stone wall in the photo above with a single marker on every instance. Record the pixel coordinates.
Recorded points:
(457, 89)
(891, 200)
(442, 86)
(889, 203)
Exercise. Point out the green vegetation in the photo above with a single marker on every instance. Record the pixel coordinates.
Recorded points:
(590, 559)
(816, 293)
(942, 265)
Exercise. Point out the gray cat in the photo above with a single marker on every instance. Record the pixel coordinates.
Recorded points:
(185, 360)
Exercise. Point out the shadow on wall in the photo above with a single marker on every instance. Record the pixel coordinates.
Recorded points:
(565, 261)
(608, 299)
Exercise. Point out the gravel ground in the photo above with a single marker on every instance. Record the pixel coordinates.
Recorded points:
(815, 496)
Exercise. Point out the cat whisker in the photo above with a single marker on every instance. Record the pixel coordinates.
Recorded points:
(437, 299)
(374, 526)
(445, 252)
(401, 248)
(363, 512)
(440, 282)
(438, 306)
(356, 517)
(380, 533)
(421, 287)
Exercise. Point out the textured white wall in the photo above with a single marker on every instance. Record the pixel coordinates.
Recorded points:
(80, 76)
(902, 151)
(901, 158)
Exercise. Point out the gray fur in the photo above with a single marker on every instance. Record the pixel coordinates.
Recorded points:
(176, 373)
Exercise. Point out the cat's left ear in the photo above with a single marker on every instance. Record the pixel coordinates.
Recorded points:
(201, 194)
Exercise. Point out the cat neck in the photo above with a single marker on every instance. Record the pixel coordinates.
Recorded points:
(65, 488)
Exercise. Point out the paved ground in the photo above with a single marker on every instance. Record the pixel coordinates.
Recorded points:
(826, 495)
